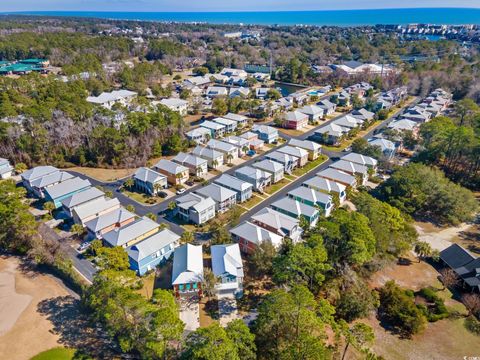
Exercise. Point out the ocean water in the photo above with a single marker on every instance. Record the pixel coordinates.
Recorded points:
(332, 17)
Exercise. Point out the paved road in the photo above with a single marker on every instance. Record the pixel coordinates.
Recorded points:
(82, 265)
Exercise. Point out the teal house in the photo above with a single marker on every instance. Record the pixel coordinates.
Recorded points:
(313, 198)
(297, 210)
(65, 189)
(152, 251)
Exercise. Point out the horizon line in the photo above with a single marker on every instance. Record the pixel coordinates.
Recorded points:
(239, 11)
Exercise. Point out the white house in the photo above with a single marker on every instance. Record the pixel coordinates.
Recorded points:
(241, 120)
(214, 158)
(230, 125)
(314, 112)
(195, 208)
(108, 99)
(229, 151)
(6, 170)
(228, 268)
(179, 105)
(199, 135)
(197, 166)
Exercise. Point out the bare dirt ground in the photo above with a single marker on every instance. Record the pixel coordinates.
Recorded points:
(443, 340)
(37, 313)
(439, 238)
(103, 174)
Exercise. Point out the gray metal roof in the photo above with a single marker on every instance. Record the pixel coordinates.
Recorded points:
(337, 175)
(276, 220)
(294, 207)
(207, 153)
(310, 195)
(360, 159)
(123, 235)
(194, 201)
(233, 182)
(305, 144)
(253, 173)
(96, 206)
(116, 216)
(53, 178)
(281, 157)
(148, 175)
(184, 158)
(216, 192)
(350, 167)
(293, 151)
(326, 185)
(82, 197)
(37, 172)
(269, 165)
(67, 187)
(152, 244)
(256, 234)
(170, 167)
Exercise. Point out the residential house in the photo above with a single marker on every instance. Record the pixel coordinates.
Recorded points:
(224, 198)
(240, 92)
(197, 166)
(417, 114)
(351, 168)
(348, 122)
(258, 178)
(230, 125)
(367, 161)
(299, 98)
(109, 99)
(328, 107)
(93, 209)
(131, 233)
(404, 125)
(363, 114)
(176, 174)
(229, 151)
(149, 181)
(199, 135)
(243, 145)
(241, 120)
(227, 267)
(39, 185)
(338, 176)
(313, 198)
(65, 189)
(80, 198)
(195, 208)
(178, 105)
(242, 188)
(216, 130)
(382, 104)
(297, 210)
(145, 255)
(216, 91)
(214, 158)
(387, 147)
(342, 98)
(249, 236)
(35, 173)
(108, 222)
(328, 187)
(278, 223)
(198, 81)
(295, 120)
(220, 79)
(284, 103)
(234, 72)
(267, 134)
(187, 270)
(314, 150)
(464, 264)
(253, 140)
(331, 134)
(314, 112)
(261, 93)
(289, 162)
(275, 168)
(6, 170)
(299, 153)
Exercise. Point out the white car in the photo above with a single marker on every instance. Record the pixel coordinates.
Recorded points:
(180, 191)
(84, 246)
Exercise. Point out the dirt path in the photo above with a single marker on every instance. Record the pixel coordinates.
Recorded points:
(439, 238)
(24, 332)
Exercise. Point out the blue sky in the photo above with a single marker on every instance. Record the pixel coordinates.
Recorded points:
(223, 5)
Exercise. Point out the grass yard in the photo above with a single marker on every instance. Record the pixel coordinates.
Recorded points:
(276, 187)
(58, 353)
(310, 166)
(142, 198)
(103, 174)
(253, 201)
(148, 285)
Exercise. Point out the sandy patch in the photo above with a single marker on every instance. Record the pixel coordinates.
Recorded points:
(26, 331)
(12, 304)
(439, 238)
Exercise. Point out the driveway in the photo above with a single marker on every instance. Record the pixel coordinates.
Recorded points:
(190, 313)
(227, 308)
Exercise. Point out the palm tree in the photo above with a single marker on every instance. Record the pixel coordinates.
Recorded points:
(20, 168)
(179, 176)
(130, 208)
(151, 216)
(157, 187)
(229, 158)
(186, 238)
(245, 149)
(209, 282)
(77, 230)
(214, 163)
(49, 206)
(423, 249)
(129, 183)
(172, 205)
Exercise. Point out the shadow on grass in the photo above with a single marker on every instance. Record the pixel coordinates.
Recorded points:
(74, 328)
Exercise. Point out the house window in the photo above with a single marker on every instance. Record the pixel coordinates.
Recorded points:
(180, 287)
(195, 286)
(187, 287)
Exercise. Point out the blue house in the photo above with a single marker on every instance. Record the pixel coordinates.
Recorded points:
(65, 189)
(154, 250)
(266, 133)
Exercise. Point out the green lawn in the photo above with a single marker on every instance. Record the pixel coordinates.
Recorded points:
(254, 200)
(275, 187)
(58, 353)
(142, 198)
(310, 166)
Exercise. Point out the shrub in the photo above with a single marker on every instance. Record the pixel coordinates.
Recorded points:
(472, 325)
(436, 312)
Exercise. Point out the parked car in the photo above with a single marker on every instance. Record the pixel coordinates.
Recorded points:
(180, 191)
(84, 246)
(251, 152)
(162, 194)
(190, 183)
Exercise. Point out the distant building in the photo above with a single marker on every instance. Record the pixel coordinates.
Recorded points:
(178, 105)
(6, 170)
(108, 99)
